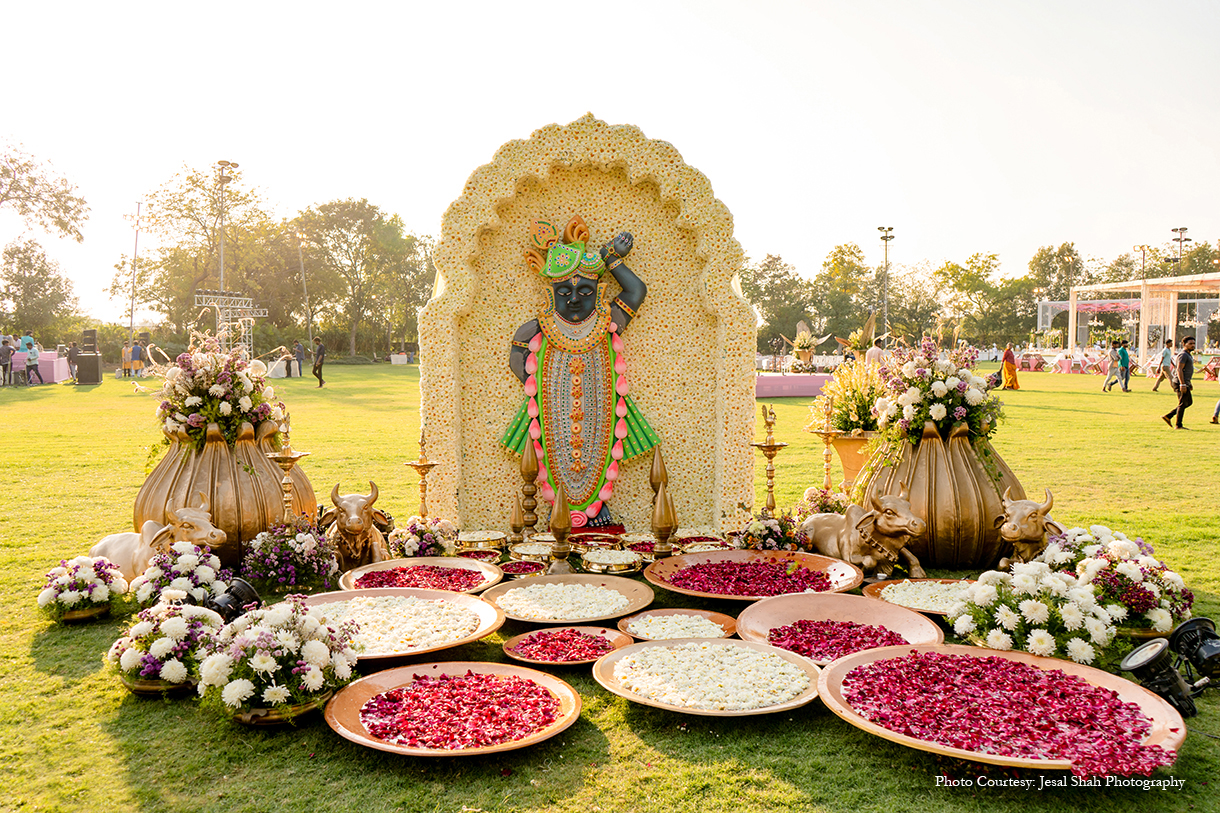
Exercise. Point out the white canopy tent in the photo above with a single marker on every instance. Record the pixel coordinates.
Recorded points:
(1158, 302)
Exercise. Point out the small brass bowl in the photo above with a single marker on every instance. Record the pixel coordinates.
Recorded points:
(521, 552)
(508, 574)
(618, 568)
(474, 540)
(585, 542)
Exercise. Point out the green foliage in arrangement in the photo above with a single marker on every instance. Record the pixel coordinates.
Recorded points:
(71, 738)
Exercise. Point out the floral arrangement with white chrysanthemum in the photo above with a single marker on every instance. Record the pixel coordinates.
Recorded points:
(773, 533)
(84, 583)
(1138, 590)
(164, 641)
(294, 558)
(205, 385)
(847, 399)
(1037, 610)
(185, 567)
(275, 657)
(422, 537)
(921, 386)
(818, 500)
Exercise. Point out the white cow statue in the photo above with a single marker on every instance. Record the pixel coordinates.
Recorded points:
(133, 551)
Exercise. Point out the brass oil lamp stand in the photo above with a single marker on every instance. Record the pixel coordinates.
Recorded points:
(828, 435)
(770, 448)
(422, 467)
(286, 457)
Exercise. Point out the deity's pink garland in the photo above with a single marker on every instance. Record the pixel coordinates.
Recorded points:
(622, 387)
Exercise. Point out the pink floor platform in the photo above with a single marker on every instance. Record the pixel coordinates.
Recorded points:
(799, 385)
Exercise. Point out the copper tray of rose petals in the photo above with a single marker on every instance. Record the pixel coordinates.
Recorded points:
(638, 595)
(873, 591)
(491, 618)
(603, 672)
(726, 622)
(1168, 730)
(343, 710)
(617, 640)
(491, 573)
(842, 575)
(757, 620)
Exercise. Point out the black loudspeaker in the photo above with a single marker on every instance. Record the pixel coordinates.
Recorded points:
(145, 338)
(88, 341)
(89, 368)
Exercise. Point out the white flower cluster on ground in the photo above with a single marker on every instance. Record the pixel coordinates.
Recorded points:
(711, 676)
(275, 656)
(185, 566)
(561, 602)
(400, 623)
(82, 582)
(660, 627)
(931, 596)
(163, 642)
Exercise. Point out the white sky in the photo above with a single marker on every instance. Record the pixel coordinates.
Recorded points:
(967, 126)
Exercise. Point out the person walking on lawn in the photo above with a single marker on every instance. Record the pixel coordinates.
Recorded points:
(1124, 367)
(319, 356)
(1112, 371)
(1184, 366)
(1166, 364)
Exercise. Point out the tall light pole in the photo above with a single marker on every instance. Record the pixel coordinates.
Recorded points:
(1180, 240)
(1143, 250)
(886, 237)
(224, 179)
(135, 257)
(304, 287)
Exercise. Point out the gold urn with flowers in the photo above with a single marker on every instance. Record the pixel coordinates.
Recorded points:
(845, 406)
(220, 419)
(936, 418)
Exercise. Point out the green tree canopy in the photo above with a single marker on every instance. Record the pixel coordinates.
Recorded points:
(780, 294)
(39, 196)
(34, 295)
(844, 291)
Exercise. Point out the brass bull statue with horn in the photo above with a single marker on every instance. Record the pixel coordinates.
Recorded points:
(1025, 525)
(874, 539)
(355, 528)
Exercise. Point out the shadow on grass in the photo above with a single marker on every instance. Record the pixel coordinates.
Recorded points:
(179, 756)
(75, 651)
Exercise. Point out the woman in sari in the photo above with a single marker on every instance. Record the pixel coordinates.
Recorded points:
(1010, 369)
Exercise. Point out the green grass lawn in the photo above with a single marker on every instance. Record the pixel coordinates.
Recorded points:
(71, 738)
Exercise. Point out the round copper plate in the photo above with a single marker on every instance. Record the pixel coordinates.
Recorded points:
(490, 616)
(491, 573)
(638, 595)
(343, 711)
(726, 622)
(760, 618)
(1168, 730)
(842, 575)
(874, 591)
(617, 640)
(603, 671)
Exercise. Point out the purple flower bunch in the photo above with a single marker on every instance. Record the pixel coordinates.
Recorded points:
(420, 537)
(187, 567)
(164, 641)
(81, 583)
(818, 501)
(774, 533)
(290, 558)
(924, 384)
(204, 385)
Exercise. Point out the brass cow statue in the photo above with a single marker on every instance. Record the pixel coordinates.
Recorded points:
(353, 528)
(1025, 526)
(133, 551)
(875, 540)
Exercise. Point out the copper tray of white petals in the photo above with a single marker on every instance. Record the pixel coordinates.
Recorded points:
(932, 596)
(718, 678)
(399, 621)
(569, 599)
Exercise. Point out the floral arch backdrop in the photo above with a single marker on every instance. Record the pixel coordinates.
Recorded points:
(690, 349)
